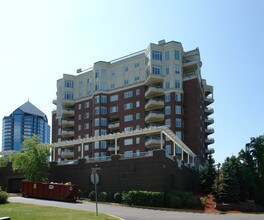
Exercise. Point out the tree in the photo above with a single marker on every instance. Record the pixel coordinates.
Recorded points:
(33, 159)
(229, 188)
(208, 175)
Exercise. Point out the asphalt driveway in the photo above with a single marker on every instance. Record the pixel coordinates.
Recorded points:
(130, 213)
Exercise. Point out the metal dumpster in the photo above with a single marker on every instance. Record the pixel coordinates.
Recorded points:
(53, 191)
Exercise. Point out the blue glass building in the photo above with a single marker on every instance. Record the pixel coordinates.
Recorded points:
(26, 120)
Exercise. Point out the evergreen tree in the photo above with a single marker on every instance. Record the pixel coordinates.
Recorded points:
(208, 175)
(229, 188)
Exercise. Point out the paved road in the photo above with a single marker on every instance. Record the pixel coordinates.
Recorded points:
(129, 213)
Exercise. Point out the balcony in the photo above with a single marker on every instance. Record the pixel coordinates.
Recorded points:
(154, 79)
(154, 104)
(209, 121)
(154, 91)
(67, 154)
(210, 151)
(67, 123)
(67, 103)
(67, 113)
(208, 90)
(208, 100)
(112, 148)
(209, 141)
(208, 111)
(209, 131)
(154, 116)
(67, 134)
(113, 125)
(191, 62)
(153, 143)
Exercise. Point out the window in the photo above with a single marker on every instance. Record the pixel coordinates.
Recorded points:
(136, 65)
(168, 149)
(103, 144)
(177, 109)
(128, 141)
(167, 55)
(177, 97)
(86, 126)
(167, 70)
(79, 106)
(126, 82)
(86, 104)
(96, 87)
(97, 122)
(125, 68)
(112, 86)
(137, 152)
(97, 99)
(103, 99)
(128, 94)
(167, 97)
(167, 110)
(86, 115)
(86, 147)
(168, 122)
(128, 118)
(167, 85)
(79, 127)
(178, 122)
(96, 111)
(103, 132)
(136, 78)
(177, 55)
(113, 98)
(137, 104)
(137, 92)
(137, 127)
(177, 69)
(96, 145)
(130, 128)
(79, 117)
(103, 121)
(137, 116)
(59, 131)
(156, 70)
(89, 80)
(103, 110)
(96, 132)
(113, 73)
(69, 83)
(178, 150)
(128, 106)
(114, 109)
(128, 153)
(79, 148)
(178, 134)
(96, 155)
(138, 140)
(157, 55)
(97, 73)
(177, 84)
(103, 86)
(68, 95)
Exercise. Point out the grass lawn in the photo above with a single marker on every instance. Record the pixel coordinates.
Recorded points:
(19, 211)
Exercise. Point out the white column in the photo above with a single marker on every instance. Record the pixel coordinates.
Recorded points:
(82, 151)
(174, 149)
(54, 153)
(182, 155)
(188, 158)
(115, 145)
(161, 140)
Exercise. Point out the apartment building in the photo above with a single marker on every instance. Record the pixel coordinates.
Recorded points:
(26, 120)
(154, 98)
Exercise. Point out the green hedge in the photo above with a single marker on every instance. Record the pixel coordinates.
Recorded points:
(3, 197)
(144, 198)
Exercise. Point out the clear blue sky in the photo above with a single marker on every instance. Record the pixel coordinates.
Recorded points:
(41, 40)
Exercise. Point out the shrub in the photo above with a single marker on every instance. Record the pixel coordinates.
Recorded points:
(190, 203)
(173, 200)
(118, 197)
(92, 195)
(102, 196)
(144, 198)
(110, 197)
(3, 197)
